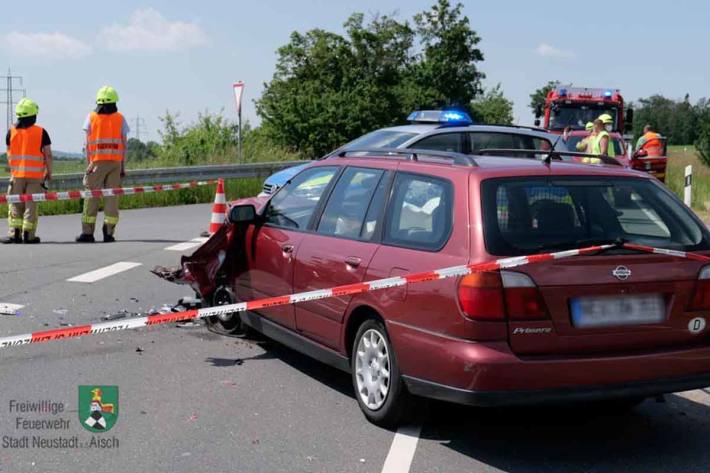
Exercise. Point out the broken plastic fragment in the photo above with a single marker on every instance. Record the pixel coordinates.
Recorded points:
(10, 309)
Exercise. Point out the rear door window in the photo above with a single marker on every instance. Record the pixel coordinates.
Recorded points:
(530, 215)
(442, 142)
(349, 203)
(420, 212)
(294, 205)
(491, 140)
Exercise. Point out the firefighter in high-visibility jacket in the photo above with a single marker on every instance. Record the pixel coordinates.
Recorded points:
(106, 135)
(584, 143)
(29, 156)
(650, 142)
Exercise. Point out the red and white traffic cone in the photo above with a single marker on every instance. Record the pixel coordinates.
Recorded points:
(219, 208)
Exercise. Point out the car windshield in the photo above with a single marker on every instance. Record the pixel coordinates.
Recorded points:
(531, 215)
(380, 139)
(573, 140)
(577, 115)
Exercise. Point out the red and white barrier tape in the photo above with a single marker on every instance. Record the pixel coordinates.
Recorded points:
(350, 289)
(86, 194)
(662, 251)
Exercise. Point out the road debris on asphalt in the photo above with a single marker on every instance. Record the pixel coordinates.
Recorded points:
(10, 309)
(120, 315)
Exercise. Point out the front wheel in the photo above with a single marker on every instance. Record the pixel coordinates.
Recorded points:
(379, 388)
(225, 324)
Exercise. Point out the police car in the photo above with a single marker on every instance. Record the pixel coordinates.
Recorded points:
(437, 130)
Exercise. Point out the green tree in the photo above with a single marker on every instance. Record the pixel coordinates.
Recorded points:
(492, 107)
(678, 120)
(538, 97)
(702, 142)
(211, 139)
(447, 71)
(329, 88)
(136, 150)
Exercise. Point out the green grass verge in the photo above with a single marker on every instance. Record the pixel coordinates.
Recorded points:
(678, 158)
(234, 189)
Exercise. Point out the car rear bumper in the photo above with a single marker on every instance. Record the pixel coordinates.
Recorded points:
(489, 373)
(443, 392)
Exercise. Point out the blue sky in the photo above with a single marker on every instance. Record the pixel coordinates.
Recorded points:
(184, 55)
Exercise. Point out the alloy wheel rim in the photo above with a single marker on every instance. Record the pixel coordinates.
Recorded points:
(372, 369)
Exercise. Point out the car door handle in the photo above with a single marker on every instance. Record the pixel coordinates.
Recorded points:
(353, 261)
(287, 248)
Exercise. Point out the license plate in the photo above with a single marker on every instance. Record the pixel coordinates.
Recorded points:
(612, 311)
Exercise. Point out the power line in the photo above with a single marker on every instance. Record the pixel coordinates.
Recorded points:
(138, 123)
(9, 91)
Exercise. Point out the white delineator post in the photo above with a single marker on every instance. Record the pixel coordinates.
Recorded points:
(687, 191)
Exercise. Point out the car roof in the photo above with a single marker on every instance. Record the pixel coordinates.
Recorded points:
(489, 166)
(435, 128)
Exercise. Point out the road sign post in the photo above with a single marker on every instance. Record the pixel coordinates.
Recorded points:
(238, 91)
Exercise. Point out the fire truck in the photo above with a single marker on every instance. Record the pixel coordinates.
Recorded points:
(573, 107)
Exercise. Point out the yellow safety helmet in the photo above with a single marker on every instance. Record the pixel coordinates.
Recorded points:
(26, 108)
(106, 94)
(606, 118)
(589, 126)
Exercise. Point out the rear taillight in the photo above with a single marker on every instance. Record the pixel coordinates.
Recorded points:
(493, 296)
(481, 296)
(701, 298)
(523, 300)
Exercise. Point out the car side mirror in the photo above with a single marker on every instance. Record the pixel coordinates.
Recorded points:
(537, 122)
(245, 213)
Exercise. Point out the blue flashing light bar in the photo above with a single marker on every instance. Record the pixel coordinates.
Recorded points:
(440, 116)
(562, 93)
(608, 93)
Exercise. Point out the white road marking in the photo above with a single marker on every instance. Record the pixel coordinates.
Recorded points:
(102, 273)
(401, 453)
(187, 245)
(701, 396)
(9, 309)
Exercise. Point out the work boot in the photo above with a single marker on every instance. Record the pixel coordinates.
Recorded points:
(16, 238)
(85, 238)
(30, 240)
(107, 238)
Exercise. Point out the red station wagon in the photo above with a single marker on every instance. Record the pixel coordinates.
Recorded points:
(615, 325)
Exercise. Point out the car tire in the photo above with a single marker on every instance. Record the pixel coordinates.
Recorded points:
(229, 324)
(374, 370)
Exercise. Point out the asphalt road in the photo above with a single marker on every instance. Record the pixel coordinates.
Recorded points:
(193, 401)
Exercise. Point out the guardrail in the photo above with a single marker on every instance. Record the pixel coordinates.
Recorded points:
(177, 174)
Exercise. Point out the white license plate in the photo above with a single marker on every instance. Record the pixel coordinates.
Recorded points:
(611, 311)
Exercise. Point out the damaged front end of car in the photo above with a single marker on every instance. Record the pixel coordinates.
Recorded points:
(210, 270)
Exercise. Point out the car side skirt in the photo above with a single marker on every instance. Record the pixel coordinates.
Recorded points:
(430, 389)
(295, 341)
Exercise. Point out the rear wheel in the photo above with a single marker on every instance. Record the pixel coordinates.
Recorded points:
(225, 324)
(379, 388)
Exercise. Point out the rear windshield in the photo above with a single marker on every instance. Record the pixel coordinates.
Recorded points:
(380, 139)
(529, 215)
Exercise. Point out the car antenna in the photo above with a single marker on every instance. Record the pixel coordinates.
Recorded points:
(548, 159)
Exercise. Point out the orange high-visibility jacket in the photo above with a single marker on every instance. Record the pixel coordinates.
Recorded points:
(652, 145)
(24, 155)
(105, 140)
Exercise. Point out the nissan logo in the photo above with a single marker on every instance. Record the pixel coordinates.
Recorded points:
(621, 273)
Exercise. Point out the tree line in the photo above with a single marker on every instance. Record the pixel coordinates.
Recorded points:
(330, 88)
